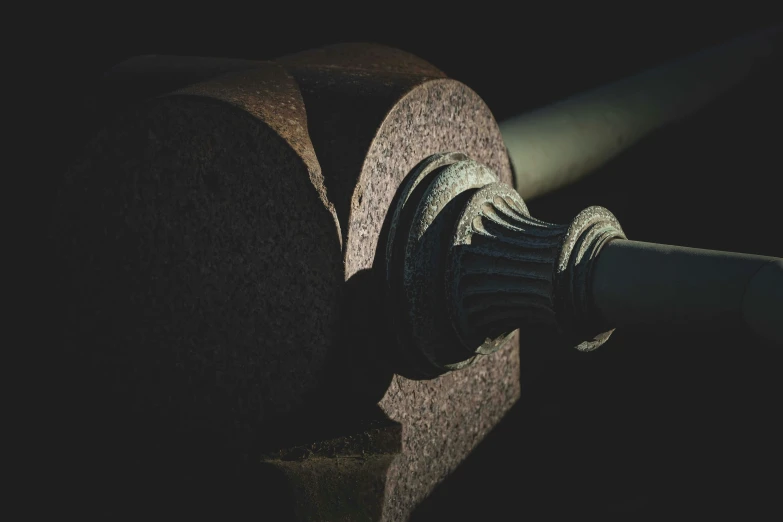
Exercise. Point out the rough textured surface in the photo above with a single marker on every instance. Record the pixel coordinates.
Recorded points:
(437, 116)
(267, 92)
(341, 478)
(501, 267)
(370, 126)
(428, 241)
(369, 132)
(207, 277)
(415, 242)
(201, 268)
(443, 420)
(587, 233)
(348, 91)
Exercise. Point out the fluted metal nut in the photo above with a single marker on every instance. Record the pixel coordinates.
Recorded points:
(509, 270)
(466, 265)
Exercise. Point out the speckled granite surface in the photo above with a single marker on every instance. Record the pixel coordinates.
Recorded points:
(208, 239)
(421, 113)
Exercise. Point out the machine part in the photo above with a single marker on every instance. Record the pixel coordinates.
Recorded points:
(415, 260)
(218, 249)
(509, 269)
(374, 114)
(200, 261)
(216, 242)
(467, 265)
(556, 145)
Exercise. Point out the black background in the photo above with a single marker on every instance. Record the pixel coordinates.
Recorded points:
(650, 426)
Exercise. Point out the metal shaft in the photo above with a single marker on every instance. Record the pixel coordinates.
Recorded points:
(466, 265)
(645, 285)
(556, 145)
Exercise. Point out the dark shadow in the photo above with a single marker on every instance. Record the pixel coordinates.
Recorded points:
(182, 328)
(143, 409)
(346, 104)
(358, 373)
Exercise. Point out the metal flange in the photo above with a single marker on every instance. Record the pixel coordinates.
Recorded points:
(416, 251)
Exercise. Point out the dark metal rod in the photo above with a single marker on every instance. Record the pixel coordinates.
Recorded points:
(642, 285)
